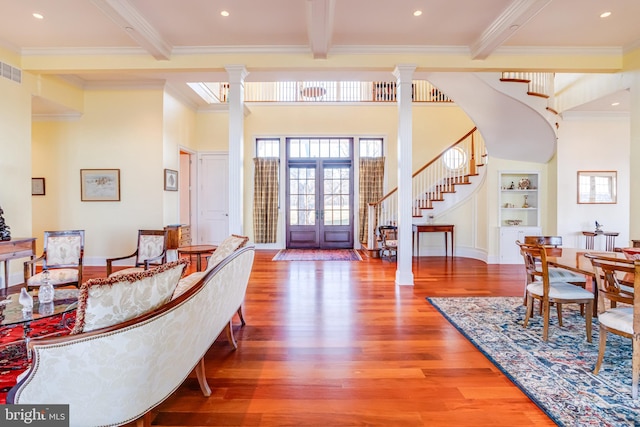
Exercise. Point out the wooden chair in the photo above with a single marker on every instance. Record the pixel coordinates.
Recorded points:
(61, 259)
(151, 251)
(556, 273)
(388, 241)
(611, 276)
(539, 287)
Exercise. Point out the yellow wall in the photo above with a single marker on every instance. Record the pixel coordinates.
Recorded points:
(118, 130)
(15, 163)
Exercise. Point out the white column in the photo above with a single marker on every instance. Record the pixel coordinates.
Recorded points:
(634, 185)
(404, 76)
(237, 74)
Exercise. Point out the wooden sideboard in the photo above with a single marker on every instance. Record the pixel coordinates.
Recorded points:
(13, 249)
(178, 235)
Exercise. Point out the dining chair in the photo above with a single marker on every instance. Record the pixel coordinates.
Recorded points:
(556, 273)
(61, 260)
(388, 241)
(616, 279)
(540, 288)
(150, 251)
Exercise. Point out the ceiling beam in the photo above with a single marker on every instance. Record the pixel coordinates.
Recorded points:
(320, 25)
(514, 17)
(125, 15)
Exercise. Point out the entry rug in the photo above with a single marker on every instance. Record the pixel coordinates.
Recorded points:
(556, 375)
(317, 255)
(13, 355)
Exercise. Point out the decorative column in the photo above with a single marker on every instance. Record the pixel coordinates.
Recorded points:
(237, 74)
(404, 76)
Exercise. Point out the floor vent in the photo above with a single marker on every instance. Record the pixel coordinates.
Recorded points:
(11, 73)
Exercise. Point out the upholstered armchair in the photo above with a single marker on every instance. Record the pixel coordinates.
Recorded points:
(151, 251)
(61, 258)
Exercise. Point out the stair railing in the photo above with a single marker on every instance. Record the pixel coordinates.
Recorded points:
(431, 182)
(540, 84)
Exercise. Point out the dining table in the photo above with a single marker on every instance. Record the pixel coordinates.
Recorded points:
(573, 259)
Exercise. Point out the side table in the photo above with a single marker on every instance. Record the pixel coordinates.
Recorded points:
(198, 251)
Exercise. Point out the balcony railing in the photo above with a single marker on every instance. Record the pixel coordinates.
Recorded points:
(327, 91)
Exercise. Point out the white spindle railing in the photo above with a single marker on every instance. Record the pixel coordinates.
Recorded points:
(331, 91)
(539, 83)
(431, 182)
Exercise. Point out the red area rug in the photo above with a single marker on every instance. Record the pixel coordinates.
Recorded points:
(13, 354)
(317, 255)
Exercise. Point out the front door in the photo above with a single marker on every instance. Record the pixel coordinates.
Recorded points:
(319, 193)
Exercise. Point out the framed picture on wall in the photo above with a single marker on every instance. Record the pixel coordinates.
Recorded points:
(170, 180)
(597, 187)
(100, 185)
(37, 187)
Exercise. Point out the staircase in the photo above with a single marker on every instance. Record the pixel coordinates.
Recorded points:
(439, 185)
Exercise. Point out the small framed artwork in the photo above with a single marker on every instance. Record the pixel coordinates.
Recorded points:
(170, 180)
(100, 185)
(37, 187)
(597, 187)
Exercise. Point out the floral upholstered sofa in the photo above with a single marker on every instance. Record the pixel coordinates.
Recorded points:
(115, 366)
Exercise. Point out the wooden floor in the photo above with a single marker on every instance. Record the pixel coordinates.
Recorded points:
(337, 343)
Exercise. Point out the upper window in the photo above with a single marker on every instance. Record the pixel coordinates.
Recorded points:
(268, 147)
(454, 158)
(371, 147)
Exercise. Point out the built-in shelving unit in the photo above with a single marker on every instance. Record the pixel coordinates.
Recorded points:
(519, 211)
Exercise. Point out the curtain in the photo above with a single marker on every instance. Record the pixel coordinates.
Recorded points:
(265, 199)
(371, 182)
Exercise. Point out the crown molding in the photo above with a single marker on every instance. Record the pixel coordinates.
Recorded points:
(558, 51)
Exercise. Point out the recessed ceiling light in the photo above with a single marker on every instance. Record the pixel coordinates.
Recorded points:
(605, 14)
(224, 13)
(417, 13)
(38, 15)
(615, 104)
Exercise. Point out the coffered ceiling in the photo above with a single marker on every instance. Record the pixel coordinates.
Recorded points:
(168, 31)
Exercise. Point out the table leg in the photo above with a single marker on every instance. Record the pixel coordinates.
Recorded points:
(418, 243)
(6, 274)
(446, 250)
(198, 261)
(452, 240)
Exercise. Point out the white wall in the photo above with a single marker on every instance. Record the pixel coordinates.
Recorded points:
(592, 141)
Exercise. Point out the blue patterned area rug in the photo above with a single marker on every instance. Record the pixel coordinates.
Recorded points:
(556, 375)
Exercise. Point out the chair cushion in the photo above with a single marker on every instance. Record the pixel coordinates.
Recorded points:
(561, 274)
(57, 276)
(113, 300)
(226, 248)
(187, 282)
(560, 290)
(620, 318)
(391, 243)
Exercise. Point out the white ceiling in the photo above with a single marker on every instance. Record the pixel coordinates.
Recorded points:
(164, 29)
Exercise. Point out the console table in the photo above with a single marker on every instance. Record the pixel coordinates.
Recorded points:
(16, 248)
(434, 228)
(610, 236)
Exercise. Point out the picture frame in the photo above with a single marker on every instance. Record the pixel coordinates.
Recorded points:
(170, 180)
(100, 185)
(37, 187)
(597, 187)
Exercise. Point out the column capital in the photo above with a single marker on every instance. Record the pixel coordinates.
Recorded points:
(404, 72)
(237, 73)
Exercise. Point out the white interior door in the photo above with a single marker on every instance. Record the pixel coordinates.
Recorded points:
(213, 198)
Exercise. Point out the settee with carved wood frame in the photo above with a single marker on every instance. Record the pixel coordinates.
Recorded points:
(118, 374)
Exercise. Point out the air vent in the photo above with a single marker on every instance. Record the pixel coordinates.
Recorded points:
(11, 73)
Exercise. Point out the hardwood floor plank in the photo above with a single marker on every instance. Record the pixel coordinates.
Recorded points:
(338, 343)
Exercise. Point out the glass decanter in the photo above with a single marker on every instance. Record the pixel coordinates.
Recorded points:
(26, 300)
(46, 291)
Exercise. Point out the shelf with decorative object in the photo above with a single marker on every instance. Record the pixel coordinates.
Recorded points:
(518, 213)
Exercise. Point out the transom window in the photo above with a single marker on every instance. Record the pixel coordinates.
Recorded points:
(371, 147)
(268, 147)
(319, 147)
